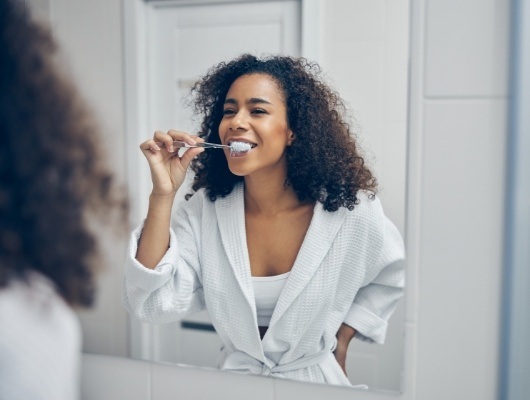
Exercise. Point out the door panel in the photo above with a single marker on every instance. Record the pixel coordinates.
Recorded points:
(186, 41)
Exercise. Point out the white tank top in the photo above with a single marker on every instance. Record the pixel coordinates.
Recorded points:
(267, 291)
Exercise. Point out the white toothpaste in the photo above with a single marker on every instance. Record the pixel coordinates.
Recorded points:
(239, 147)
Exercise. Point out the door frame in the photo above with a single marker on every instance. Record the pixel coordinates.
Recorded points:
(135, 15)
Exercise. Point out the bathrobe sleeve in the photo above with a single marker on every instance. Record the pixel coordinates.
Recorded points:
(376, 300)
(173, 288)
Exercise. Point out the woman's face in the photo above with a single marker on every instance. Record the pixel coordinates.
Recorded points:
(255, 112)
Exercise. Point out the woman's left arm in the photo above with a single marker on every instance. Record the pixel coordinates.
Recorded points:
(344, 337)
(375, 302)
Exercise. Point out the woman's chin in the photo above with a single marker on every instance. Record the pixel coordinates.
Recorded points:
(238, 171)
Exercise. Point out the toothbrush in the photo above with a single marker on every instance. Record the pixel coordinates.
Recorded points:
(236, 147)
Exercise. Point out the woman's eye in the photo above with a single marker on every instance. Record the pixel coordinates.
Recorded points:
(228, 111)
(259, 111)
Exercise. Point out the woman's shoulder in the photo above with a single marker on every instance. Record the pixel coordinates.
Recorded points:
(367, 213)
(201, 197)
(34, 288)
(32, 312)
(369, 217)
(35, 300)
(367, 203)
(196, 201)
(197, 206)
(200, 204)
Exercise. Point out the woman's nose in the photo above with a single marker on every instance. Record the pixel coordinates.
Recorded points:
(238, 122)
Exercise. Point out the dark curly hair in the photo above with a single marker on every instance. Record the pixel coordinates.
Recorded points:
(51, 172)
(323, 163)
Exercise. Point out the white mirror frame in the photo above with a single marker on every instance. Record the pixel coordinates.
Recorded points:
(515, 352)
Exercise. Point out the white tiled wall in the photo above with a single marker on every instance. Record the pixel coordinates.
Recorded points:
(460, 276)
(455, 190)
(466, 48)
(460, 116)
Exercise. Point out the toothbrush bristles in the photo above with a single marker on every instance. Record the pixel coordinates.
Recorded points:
(240, 147)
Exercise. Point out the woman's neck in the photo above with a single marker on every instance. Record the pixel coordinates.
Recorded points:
(269, 196)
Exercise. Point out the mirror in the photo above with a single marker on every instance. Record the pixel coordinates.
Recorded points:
(362, 47)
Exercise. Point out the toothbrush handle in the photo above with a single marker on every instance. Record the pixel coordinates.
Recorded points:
(206, 145)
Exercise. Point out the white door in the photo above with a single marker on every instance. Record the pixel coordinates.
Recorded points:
(183, 41)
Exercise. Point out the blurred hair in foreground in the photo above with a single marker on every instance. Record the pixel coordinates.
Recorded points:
(53, 180)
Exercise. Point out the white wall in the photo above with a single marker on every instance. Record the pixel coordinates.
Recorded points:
(459, 102)
(457, 124)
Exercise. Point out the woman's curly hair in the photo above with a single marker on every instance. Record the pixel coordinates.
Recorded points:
(323, 163)
(51, 171)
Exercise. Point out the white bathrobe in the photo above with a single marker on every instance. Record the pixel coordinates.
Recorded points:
(349, 269)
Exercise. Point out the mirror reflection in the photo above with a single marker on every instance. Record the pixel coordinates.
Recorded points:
(167, 46)
(373, 85)
(282, 239)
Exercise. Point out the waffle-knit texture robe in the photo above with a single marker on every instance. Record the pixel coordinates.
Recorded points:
(349, 269)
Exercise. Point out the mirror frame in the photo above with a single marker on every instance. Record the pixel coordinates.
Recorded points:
(515, 353)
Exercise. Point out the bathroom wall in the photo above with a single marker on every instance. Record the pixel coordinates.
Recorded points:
(455, 192)
(459, 103)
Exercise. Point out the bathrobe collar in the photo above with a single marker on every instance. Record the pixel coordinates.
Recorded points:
(324, 227)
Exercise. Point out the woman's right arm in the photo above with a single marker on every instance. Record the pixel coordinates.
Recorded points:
(168, 171)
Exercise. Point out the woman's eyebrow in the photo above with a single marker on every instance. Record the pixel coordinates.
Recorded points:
(253, 100)
(257, 100)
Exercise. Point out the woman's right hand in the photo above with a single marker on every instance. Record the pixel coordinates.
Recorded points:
(168, 169)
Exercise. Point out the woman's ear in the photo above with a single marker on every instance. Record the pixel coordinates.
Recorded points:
(291, 138)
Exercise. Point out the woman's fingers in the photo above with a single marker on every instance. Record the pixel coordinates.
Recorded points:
(165, 140)
(149, 145)
(189, 155)
(183, 137)
(168, 165)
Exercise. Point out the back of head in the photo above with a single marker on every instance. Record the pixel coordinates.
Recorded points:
(51, 172)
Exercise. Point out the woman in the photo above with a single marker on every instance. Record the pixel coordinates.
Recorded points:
(51, 180)
(285, 245)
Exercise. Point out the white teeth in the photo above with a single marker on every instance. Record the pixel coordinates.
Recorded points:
(239, 147)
